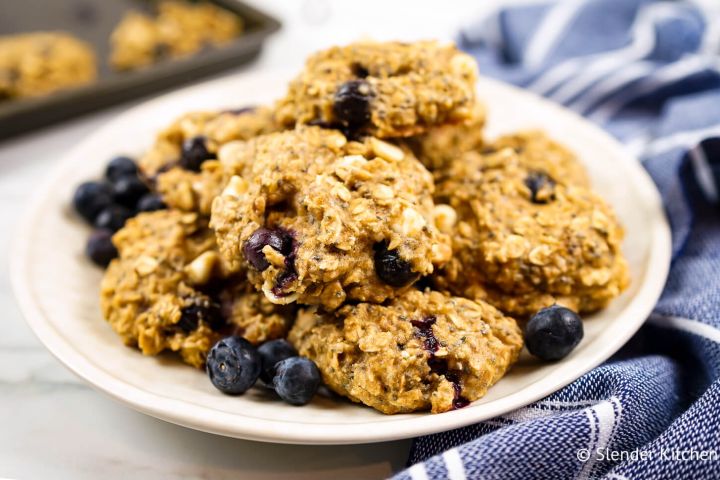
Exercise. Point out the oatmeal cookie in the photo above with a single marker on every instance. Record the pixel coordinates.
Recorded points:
(524, 239)
(33, 64)
(388, 89)
(318, 219)
(424, 350)
(168, 290)
(440, 146)
(179, 29)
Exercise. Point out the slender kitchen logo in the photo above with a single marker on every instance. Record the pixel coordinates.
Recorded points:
(669, 454)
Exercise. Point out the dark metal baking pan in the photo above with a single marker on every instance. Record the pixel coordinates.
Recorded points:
(93, 21)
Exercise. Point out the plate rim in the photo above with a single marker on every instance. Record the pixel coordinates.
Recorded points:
(186, 414)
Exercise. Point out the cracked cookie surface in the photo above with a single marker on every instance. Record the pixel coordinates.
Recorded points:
(525, 238)
(422, 351)
(168, 290)
(320, 220)
(389, 89)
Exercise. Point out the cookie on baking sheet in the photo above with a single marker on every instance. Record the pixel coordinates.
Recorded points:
(422, 351)
(33, 64)
(388, 89)
(319, 220)
(528, 233)
(168, 290)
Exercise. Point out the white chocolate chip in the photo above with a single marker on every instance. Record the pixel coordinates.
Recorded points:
(200, 270)
(236, 187)
(444, 218)
(412, 221)
(146, 265)
(385, 150)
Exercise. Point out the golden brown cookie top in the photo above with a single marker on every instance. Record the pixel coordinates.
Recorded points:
(318, 220)
(423, 350)
(385, 89)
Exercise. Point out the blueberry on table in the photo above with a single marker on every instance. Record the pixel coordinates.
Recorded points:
(113, 218)
(297, 380)
(120, 167)
(233, 365)
(194, 153)
(553, 332)
(92, 197)
(99, 247)
(351, 103)
(277, 238)
(128, 190)
(391, 268)
(271, 353)
(150, 202)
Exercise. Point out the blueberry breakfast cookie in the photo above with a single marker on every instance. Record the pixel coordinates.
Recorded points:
(389, 89)
(524, 239)
(168, 290)
(183, 160)
(319, 220)
(422, 351)
(33, 64)
(440, 146)
(178, 29)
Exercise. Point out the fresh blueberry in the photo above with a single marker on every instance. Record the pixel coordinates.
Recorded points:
(120, 167)
(541, 186)
(233, 365)
(209, 313)
(553, 332)
(92, 197)
(194, 153)
(278, 239)
(99, 247)
(271, 353)
(113, 217)
(351, 104)
(296, 381)
(128, 190)
(392, 269)
(150, 202)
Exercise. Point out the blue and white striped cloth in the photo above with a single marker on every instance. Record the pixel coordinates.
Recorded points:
(649, 73)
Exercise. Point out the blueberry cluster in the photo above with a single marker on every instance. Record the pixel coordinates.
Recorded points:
(107, 204)
(234, 365)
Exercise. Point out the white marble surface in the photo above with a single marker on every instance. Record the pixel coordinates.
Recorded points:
(52, 425)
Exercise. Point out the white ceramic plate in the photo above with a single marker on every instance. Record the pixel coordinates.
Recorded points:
(57, 288)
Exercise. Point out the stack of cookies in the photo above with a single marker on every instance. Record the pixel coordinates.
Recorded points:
(365, 218)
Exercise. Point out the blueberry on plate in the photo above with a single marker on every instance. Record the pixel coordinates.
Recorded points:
(128, 190)
(194, 153)
(297, 380)
(278, 239)
(92, 197)
(121, 166)
(99, 247)
(271, 353)
(553, 332)
(391, 268)
(113, 218)
(150, 202)
(351, 103)
(233, 365)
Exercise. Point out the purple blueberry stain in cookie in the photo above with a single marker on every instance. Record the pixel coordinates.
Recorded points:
(191, 316)
(439, 366)
(241, 110)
